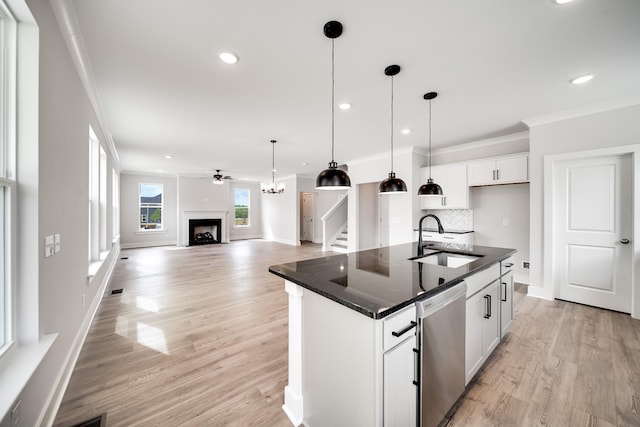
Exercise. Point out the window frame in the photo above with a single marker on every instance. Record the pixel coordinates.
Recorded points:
(235, 207)
(8, 124)
(140, 207)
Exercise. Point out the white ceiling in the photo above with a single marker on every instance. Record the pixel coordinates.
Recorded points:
(493, 63)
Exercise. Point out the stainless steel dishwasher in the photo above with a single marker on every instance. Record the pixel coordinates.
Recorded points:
(441, 321)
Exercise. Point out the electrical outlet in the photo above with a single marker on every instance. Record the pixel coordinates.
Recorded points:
(525, 264)
(49, 246)
(15, 414)
(56, 243)
(505, 222)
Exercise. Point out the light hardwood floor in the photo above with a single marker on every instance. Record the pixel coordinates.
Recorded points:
(199, 338)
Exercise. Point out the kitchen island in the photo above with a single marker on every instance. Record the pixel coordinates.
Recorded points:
(345, 366)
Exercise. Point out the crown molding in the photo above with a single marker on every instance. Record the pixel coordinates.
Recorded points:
(477, 144)
(599, 107)
(65, 14)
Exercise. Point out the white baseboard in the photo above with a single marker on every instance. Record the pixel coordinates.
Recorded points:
(287, 242)
(147, 244)
(542, 293)
(52, 404)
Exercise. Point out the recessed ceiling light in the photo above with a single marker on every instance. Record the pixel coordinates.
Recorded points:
(344, 106)
(561, 1)
(168, 156)
(228, 57)
(582, 79)
(405, 131)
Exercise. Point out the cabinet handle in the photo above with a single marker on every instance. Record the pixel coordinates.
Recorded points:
(494, 174)
(497, 174)
(416, 367)
(405, 330)
(444, 201)
(504, 299)
(509, 265)
(448, 237)
(487, 308)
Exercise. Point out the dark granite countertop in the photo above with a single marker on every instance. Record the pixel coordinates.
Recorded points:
(378, 282)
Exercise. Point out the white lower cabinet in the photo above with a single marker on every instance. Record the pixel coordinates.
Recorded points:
(482, 334)
(434, 236)
(400, 393)
(506, 302)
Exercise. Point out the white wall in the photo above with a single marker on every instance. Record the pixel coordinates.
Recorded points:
(281, 214)
(61, 164)
(493, 205)
(402, 207)
(600, 130)
(130, 234)
(324, 201)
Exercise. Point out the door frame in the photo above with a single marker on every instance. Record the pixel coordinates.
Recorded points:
(549, 242)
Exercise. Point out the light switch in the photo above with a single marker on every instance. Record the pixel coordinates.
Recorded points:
(49, 246)
(56, 242)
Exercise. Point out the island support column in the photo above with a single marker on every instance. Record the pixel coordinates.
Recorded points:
(293, 406)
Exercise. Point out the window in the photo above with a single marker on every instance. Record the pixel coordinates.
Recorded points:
(7, 175)
(150, 206)
(94, 196)
(241, 204)
(115, 183)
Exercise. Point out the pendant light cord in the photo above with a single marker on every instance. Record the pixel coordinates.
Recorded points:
(333, 106)
(273, 163)
(391, 124)
(429, 139)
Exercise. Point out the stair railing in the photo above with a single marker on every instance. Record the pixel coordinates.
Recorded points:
(334, 221)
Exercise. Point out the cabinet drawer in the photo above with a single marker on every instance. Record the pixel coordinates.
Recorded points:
(399, 323)
(507, 265)
(466, 238)
(477, 281)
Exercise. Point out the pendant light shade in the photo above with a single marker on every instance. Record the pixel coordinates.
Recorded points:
(430, 188)
(392, 185)
(271, 188)
(333, 178)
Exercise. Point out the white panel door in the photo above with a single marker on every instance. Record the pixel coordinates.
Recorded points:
(592, 216)
(308, 209)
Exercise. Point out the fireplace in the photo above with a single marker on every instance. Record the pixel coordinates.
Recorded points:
(205, 231)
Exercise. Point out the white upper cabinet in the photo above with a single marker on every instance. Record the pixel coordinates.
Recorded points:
(505, 170)
(455, 190)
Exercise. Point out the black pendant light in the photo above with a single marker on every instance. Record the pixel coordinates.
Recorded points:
(333, 178)
(430, 188)
(271, 187)
(392, 185)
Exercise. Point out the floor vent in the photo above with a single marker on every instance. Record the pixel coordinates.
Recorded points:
(99, 421)
(125, 257)
(116, 291)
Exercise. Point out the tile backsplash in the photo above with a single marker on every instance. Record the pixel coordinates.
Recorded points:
(454, 219)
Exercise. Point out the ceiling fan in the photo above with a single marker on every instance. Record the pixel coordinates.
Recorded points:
(219, 179)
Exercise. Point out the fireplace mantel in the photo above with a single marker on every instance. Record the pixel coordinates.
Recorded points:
(186, 215)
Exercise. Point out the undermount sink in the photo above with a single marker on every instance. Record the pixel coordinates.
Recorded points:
(445, 259)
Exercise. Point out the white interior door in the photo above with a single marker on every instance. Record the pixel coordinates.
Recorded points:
(593, 216)
(308, 212)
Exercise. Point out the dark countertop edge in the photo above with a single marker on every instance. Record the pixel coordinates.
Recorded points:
(435, 230)
(381, 314)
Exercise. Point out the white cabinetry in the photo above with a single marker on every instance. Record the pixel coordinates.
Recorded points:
(434, 236)
(482, 334)
(455, 190)
(400, 396)
(398, 388)
(506, 295)
(502, 170)
(355, 370)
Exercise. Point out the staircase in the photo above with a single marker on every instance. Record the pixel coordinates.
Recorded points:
(341, 242)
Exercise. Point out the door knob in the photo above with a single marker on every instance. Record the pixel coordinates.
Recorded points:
(624, 241)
